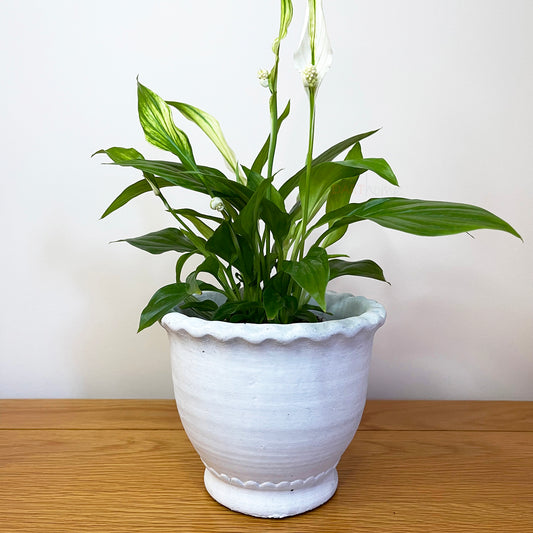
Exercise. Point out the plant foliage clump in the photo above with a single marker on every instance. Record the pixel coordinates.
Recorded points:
(269, 260)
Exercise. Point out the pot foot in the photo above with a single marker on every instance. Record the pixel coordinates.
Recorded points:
(265, 503)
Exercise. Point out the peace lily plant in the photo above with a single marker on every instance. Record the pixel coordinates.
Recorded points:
(270, 259)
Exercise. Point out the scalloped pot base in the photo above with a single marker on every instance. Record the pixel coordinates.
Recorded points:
(270, 408)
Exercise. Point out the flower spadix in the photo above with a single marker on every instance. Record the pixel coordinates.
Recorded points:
(314, 55)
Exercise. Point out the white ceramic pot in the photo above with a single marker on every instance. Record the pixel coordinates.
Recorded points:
(271, 408)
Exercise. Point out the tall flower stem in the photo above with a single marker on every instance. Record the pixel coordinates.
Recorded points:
(299, 248)
(273, 129)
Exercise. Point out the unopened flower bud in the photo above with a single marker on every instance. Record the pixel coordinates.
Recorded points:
(263, 75)
(155, 188)
(217, 204)
(310, 76)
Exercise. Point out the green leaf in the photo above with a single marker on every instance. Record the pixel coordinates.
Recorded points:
(262, 156)
(138, 188)
(192, 283)
(365, 268)
(217, 184)
(193, 213)
(277, 300)
(328, 155)
(175, 173)
(211, 265)
(243, 311)
(222, 243)
(278, 222)
(255, 179)
(340, 194)
(165, 240)
(311, 274)
(201, 308)
(159, 128)
(196, 218)
(211, 127)
(273, 302)
(182, 259)
(285, 20)
(419, 217)
(325, 175)
(247, 221)
(374, 164)
(117, 153)
(246, 259)
(162, 302)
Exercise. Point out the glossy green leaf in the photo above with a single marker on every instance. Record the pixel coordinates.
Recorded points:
(247, 222)
(182, 259)
(243, 311)
(279, 304)
(199, 308)
(192, 284)
(262, 156)
(175, 173)
(162, 302)
(277, 222)
(328, 155)
(377, 165)
(364, 268)
(196, 219)
(325, 175)
(131, 192)
(165, 240)
(311, 274)
(273, 302)
(159, 128)
(210, 265)
(222, 243)
(340, 194)
(211, 127)
(255, 179)
(117, 153)
(419, 217)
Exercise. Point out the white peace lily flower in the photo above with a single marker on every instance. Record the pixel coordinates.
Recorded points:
(217, 204)
(263, 77)
(314, 55)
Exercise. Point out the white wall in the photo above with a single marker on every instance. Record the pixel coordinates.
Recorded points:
(449, 81)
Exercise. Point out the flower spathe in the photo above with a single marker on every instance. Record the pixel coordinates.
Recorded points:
(314, 55)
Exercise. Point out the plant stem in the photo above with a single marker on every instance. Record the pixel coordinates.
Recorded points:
(304, 194)
(192, 237)
(273, 132)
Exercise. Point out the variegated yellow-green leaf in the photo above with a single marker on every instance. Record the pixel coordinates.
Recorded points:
(211, 127)
(284, 23)
(159, 128)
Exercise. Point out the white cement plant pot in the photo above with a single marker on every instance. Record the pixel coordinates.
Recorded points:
(271, 408)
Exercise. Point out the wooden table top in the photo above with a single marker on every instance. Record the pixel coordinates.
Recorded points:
(126, 466)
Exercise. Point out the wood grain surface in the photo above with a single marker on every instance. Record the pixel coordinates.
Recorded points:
(126, 466)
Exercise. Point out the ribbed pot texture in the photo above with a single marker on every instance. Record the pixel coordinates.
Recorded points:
(271, 408)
